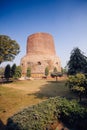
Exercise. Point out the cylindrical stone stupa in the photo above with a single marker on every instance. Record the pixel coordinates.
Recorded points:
(40, 53)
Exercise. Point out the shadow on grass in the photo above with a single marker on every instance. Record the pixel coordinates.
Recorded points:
(52, 89)
(5, 81)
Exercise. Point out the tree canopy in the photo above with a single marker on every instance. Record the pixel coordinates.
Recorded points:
(56, 74)
(77, 62)
(13, 69)
(8, 48)
(7, 72)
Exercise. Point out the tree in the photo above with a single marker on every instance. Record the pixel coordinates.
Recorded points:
(2, 69)
(7, 72)
(8, 48)
(77, 62)
(55, 70)
(46, 71)
(28, 72)
(64, 70)
(80, 90)
(77, 83)
(18, 72)
(56, 74)
(13, 69)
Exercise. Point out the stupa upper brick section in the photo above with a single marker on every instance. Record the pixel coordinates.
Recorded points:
(40, 44)
(40, 53)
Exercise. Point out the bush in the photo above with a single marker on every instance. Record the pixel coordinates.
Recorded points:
(46, 71)
(17, 72)
(77, 83)
(38, 116)
(29, 72)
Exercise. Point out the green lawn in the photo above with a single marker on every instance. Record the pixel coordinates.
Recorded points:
(18, 95)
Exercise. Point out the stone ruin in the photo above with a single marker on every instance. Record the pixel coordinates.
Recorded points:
(40, 53)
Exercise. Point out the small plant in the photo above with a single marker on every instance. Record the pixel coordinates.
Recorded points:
(28, 72)
(17, 72)
(55, 70)
(46, 71)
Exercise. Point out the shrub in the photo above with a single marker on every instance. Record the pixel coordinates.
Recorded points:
(46, 71)
(29, 72)
(7, 72)
(78, 83)
(17, 72)
(38, 116)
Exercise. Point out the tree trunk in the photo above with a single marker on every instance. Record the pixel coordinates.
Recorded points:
(56, 78)
(80, 96)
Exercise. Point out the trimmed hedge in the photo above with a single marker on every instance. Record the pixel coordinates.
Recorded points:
(37, 117)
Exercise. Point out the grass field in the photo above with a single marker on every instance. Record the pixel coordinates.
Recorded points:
(18, 95)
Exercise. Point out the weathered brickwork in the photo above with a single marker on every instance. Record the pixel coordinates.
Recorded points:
(41, 44)
(40, 53)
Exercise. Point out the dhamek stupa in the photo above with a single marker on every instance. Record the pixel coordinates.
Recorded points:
(40, 53)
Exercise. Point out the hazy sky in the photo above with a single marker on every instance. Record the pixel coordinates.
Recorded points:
(65, 20)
